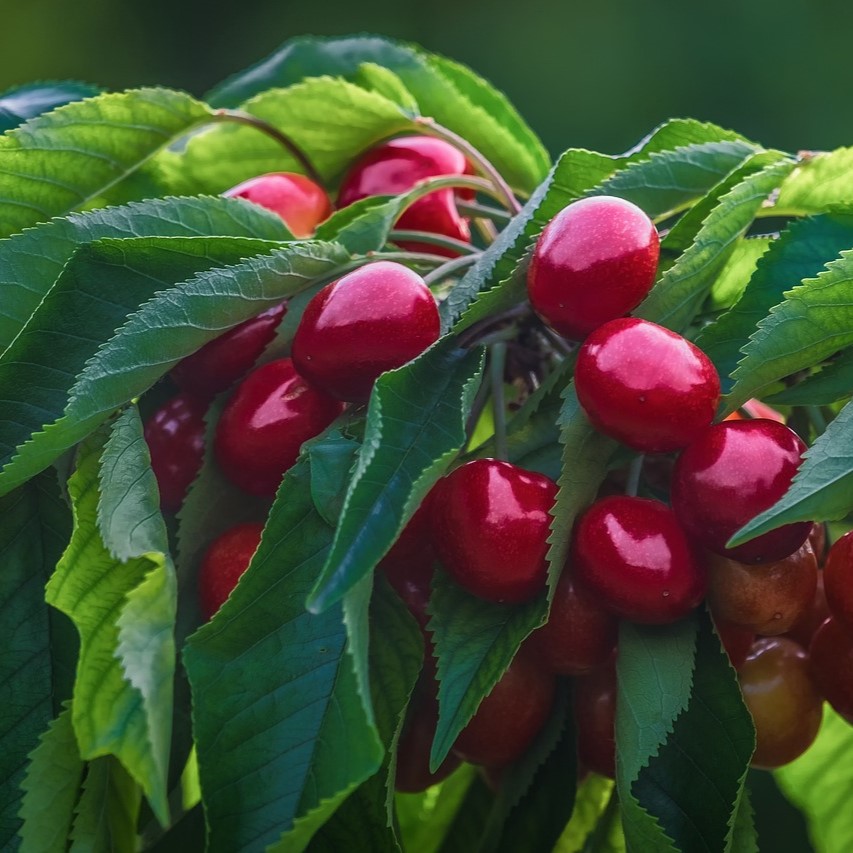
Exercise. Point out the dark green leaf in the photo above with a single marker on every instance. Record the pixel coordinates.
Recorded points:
(25, 102)
(57, 162)
(829, 385)
(594, 795)
(332, 458)
(778, 822)
(287, 740)
(744, 838)
(465, 831)
(415, 427)
(184, 836)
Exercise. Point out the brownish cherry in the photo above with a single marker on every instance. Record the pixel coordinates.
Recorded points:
(831, 661)
(732, 472)
(225, 560)
(838, 580)
(594, 700)
(782, 697)
(814, 616)
(737, 641)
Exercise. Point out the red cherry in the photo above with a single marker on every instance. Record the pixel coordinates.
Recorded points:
(265, 423)
(175, 438)
(580, 634)
(831, 661)
(490, 523)
(731, 473)
(225, 560)
(301, 203)
(222, 361)
(737, 641)
(510, 717)
(374, 319)
(645, 385)
(783, 701)
(594, 262)
(394, 168)
(632, 555)
(838, 580)
(594, 701)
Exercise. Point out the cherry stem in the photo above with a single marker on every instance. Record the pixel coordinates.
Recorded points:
(240, 117)
(410, 257)
(434, 240)
(449, 268)
(497, 366)
(464, 182)
(482, 211)
(475, 157)
(634, 474)
(476, 331)
(487, 230)
(556, 341)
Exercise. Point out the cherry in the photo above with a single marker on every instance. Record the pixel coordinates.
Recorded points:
(594, 262)
(222, 361)
(175, 438)
(838, 580)
(813, 617)
(768, 598)
(737, 641)
(510, 717)
(756, 409)
(731, 473)
(646, 386)
(831, 660)
(490, 523)
(594, 701)
(580, 634)
(783, 701)
(225, 560)
(265, 423)
(374, 319)
(394, 168)
(632, 555)
(301, 203)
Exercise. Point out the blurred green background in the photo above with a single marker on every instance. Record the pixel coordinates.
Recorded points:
(598, 74)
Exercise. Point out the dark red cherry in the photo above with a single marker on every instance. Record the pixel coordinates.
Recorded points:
(737, 641)
(594, 701)
(394, 168)
(580, 634)
(413, 774)
(646, 386)
(175, 438)
(814, 616)
(731, 473)
(222, 361)
(831, 662)
(265, 423)
(225, 560)
(594, 262)
(301, 203)
(632, 555)
(838, 580)
(490, 523)
(374, 319)
(510, 717)
(783, 700)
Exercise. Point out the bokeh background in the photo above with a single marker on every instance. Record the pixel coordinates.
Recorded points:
(598, 74)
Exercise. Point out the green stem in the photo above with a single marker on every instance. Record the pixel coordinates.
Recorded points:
(443, 182)
(434, 240)
(487, 230)
(404, 257)
(240, 117)
(634, 474)
(449, 268)
(482, 211)
(497, 365)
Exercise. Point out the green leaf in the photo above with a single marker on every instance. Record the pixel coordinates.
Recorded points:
(332, 458)
(832, 383)
(822, 489)
(800, 252)
(36, 527)
(330, 120)
(736, 274)
(415, 427)
(110, 691)
(57, 162)
(31, 262)
(73, 322)
(819, 783)
(744, 838)
(682, 288)
(465, 831)
(778, 822)
(383, 81)
(51, 787)
(287, 742)
(592, 798)
(820, 181)
(445, 90)
(21, 103)
(107, 811)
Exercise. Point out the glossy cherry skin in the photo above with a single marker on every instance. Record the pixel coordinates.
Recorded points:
(374, 319)
(812, 618)
(838, 580)
(646, 386)
(490, 523)
(594, 262)
(768, 598)
(225, 560)
(737, 641)
(731, 473)
(594, 701)
(580, 634)
(413, 774)
(510, 717)
(265, 423)
(394, 168)
(301, 203)
(831, 662)
(783, 700)
(175, 438)
(632, 555)
(222, 361)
